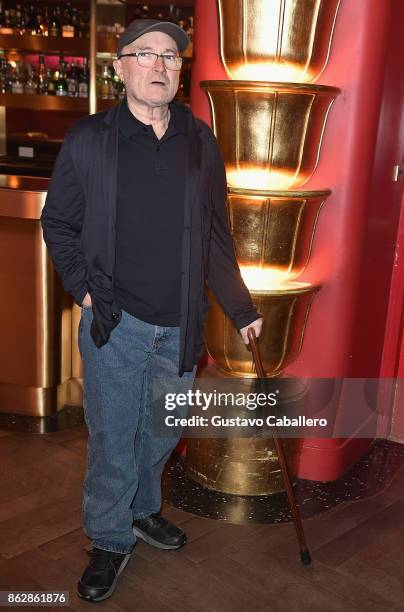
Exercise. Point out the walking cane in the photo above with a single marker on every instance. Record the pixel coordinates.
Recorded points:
(304, 552)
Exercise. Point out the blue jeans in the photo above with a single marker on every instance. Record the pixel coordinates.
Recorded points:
(125, 460)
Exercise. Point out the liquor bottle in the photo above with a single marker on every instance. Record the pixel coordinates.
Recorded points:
(145, 12)
(51, 82)
(42, 83)
(34, 24)
(67, 24)
(81, 26)
(39, 25)
(61, 83)
(106, 86)
(72, 81)
(54, 24)
(17, 86)
(13, 17)
(8, 76)
(190, 30)
(118, 88)
(2, 75)
(30, 85)
(171, 16)
(45, 22)
(74, 20)
(6, 27)
(20, 20)
(83, 80)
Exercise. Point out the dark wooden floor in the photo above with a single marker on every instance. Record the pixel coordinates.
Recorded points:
(357, 548)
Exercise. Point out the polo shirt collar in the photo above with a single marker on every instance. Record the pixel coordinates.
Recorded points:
(131, 126)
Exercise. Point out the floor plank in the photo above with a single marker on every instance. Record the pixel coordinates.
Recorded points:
(357, 547)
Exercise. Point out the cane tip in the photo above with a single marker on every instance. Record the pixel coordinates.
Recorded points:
(305, 557)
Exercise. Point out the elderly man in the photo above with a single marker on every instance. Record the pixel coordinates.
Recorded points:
(136, 221)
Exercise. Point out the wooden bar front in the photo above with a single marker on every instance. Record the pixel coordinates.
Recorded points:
(37, 363)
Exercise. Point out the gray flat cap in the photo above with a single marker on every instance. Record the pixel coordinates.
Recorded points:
(142, 26)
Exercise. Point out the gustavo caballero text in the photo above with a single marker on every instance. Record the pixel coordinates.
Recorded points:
(220, 421)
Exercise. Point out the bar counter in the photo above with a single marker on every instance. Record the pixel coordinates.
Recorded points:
(40, 373)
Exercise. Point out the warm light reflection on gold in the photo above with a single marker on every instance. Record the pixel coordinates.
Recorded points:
(266, 71)
(246, 177)
(268, 279)
(13, 182)
(276, 40)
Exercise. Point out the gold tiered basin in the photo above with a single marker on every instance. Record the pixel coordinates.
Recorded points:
(285, 310)
(269, 133)
(276, 40)
(274, 229)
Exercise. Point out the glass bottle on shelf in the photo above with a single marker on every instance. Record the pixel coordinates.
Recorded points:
(45, 22)
(106, 85)
(8, 76)
(30, 85)
(72, 81)
(17, 86)
(2, 75)
(190, 30)
(35, 20)
(74, 20)
(12, 16)
(50, 82)
(83, 80)
(54, 24)
(145, 12)
(67, 23)
(171, 15)
(81, 27)
(118, 86)
(20, 20)
(39, 26)
(6, 27)
(42, 82)
(61, 82)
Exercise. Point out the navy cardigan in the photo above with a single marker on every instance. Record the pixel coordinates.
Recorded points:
(78, 223)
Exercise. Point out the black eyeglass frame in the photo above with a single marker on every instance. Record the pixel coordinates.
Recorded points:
(157, 55)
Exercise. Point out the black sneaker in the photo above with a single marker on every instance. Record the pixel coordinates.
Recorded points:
(101, 575)
(159, 532)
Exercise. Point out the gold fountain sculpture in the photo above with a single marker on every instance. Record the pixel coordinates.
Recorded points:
(270, 131)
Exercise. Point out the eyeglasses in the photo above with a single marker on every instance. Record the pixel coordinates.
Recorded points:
(147, 59)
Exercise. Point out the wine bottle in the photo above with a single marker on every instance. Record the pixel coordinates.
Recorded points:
(50, 82)
(42, 83)
(72, 81)
(61, 83)
(54, 24)
(17, 86)
(83, 80)
(30, 85)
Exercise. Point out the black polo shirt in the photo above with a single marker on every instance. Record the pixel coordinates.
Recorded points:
(150, 218)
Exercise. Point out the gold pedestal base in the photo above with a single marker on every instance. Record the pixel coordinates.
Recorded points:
(241, 466)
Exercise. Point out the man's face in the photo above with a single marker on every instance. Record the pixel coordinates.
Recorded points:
(155, 86)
